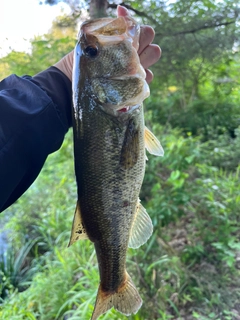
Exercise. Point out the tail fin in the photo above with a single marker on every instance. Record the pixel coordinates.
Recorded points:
(126, 299)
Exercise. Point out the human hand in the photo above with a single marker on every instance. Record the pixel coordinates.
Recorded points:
(148, 53)
(66, 65)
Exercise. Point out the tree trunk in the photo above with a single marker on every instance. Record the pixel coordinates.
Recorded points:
(98, 8)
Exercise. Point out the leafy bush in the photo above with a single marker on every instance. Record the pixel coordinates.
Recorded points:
(15, 269)
(201, 116)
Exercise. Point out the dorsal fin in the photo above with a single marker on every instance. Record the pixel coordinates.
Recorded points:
(152, 144)
(78, 230)
(142, 227)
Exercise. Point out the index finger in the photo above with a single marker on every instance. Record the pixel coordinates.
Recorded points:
(122, 11)
(146, 37)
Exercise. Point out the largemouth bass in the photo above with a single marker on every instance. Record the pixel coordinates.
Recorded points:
(109, 149)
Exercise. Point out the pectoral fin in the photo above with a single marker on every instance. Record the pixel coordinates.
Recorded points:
(142, 228)
(78, 229)
(130, 148)
(152, 144)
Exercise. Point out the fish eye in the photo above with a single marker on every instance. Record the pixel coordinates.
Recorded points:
(91, 51)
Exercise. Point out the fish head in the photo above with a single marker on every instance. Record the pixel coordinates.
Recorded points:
(107, 65)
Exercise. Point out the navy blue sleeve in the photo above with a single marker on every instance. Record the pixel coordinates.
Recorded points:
(35, 114)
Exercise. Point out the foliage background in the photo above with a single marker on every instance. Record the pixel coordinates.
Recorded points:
(190, 267)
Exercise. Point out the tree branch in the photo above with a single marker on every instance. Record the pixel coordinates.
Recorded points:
(202, 28)
(145, 15)
(139, 13)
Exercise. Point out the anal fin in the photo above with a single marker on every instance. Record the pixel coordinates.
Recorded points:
(152, 144)
(126, 299)
(142, 227)
(78, 230)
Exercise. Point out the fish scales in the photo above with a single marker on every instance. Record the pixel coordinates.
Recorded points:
(109, 150)
(108, 192)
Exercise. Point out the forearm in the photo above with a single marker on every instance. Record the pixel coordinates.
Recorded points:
(35, 114)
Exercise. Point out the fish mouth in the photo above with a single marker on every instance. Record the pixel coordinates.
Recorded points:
(117, 28)
(123, 90)
(124, 109)
(127, 109)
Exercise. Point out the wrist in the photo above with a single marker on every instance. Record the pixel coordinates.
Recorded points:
(66, 65)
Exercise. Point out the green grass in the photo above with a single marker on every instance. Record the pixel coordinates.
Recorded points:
(188, 268)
